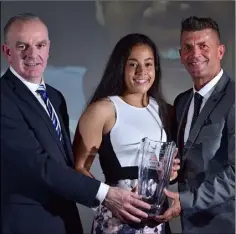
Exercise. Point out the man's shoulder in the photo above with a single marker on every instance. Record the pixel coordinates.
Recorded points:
(4, 77)
(3, 80)
(182, 96)
(230, 82)
(54, 91)
(231, 85)
(51, 88)
(229, 88)
(5, 83)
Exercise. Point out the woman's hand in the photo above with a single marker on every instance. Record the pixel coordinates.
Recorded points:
(175, 167)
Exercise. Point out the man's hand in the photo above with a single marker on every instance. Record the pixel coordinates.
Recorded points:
(175, 167)
(125, 205)
(174, 210)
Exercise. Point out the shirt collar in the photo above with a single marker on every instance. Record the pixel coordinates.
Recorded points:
(210, 85)
(203, 91)
(31, 86)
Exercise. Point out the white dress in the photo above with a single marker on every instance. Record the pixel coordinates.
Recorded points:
(119, 159)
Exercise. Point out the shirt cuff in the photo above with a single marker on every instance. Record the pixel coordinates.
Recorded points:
(102, 192)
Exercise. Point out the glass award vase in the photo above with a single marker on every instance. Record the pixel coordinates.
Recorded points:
(156, 160)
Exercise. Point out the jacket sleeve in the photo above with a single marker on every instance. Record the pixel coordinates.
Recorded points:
(22, 154)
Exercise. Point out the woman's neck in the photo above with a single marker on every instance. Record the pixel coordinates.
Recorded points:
(137, 99)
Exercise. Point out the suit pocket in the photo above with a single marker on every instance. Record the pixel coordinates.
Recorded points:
(211, 131)
(210, 138)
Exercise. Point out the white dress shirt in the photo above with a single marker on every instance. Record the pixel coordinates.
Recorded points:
(33, 88)
(205, 92)
(103, 189)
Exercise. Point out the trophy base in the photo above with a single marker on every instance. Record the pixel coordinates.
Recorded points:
(154, 211)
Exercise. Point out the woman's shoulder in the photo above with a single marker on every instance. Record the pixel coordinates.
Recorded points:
(103, 103)
(101, 108)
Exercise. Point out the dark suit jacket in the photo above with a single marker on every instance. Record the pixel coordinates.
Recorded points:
(39, 187)
(207, 175)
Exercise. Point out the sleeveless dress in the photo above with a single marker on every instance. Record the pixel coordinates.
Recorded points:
(118, 155)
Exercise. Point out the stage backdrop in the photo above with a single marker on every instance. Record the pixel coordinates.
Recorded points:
(83, 33)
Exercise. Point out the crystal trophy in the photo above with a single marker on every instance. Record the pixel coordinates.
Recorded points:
(156, 160)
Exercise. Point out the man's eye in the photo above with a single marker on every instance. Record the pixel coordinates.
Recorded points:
(148, 64)
(203, 46)
(21, 47)
(41, 46)
(187, 48)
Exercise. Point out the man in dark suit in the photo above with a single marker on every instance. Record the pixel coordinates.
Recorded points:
(206, 135)
(40, 188)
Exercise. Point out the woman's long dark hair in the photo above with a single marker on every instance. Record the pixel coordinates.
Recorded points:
(112, 82)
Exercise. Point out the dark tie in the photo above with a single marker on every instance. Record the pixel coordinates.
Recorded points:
(197, 106)
(42, 91)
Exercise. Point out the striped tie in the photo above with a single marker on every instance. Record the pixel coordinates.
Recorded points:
(42, 91)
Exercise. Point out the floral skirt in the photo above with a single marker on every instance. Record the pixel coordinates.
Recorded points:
(105, 223)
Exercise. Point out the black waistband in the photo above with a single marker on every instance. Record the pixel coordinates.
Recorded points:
(122, 174)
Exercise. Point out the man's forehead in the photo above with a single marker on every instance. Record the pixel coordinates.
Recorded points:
(34, 30)
(28, 26)
(201, 35)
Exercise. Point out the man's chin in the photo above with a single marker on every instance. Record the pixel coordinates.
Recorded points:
(197, 74)
(33, 77)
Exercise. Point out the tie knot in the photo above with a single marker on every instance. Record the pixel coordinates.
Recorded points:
(42, 90)
(41, 87)
(198, 97)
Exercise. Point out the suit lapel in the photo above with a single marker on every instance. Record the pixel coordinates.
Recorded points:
(182, 124)
(213, 100)
(183, 119)
(25, 94)
(66, 140)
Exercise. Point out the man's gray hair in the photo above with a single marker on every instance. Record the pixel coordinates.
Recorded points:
(25, 17)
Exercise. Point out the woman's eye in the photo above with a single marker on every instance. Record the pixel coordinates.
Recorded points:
(133, 65)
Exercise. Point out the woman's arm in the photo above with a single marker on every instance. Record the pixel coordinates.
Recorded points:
(97, 120)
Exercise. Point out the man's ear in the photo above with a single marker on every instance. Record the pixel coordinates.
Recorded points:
(180, 51)
(7, 52)
(221, 51)
(49, 43)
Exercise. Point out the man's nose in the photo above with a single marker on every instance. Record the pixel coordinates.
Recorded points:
(196, 51)
(31, 52)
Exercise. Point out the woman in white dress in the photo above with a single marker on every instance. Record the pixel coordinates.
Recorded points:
(127, 106)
